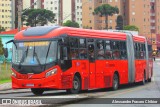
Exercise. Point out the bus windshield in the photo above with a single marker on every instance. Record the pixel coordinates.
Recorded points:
(34, 53)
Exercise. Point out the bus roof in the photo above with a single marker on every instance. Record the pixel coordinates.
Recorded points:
(46, 32)
(137, 38)
(52, 31)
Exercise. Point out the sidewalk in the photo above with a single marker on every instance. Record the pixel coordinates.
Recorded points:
(5, 86)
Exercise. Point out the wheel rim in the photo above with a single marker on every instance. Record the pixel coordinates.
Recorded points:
(75, 84)
(115, 81)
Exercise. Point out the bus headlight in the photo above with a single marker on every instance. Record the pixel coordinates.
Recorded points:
(13, 74)
(51, 72)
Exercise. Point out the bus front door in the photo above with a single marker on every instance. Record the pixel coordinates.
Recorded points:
(92, 69)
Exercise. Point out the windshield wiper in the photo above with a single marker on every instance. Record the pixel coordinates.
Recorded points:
(35, 54)
(23, 57)
(47, 54)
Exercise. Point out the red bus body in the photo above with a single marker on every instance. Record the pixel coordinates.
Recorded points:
(94, 75)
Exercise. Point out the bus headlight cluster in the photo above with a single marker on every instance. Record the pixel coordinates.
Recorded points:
(13, 74)
(51, 72)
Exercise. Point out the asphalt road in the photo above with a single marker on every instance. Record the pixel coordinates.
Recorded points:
(149, 90)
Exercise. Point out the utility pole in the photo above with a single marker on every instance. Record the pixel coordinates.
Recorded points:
(59, 15)
(19, 14)
(13, 14)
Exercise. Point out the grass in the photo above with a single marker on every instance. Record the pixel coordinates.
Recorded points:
(5, 81)
(5, 73)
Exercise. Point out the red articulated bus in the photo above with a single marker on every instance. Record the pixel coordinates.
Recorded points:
(53, 57)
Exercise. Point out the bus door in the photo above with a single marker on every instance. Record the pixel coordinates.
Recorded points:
(92, 66)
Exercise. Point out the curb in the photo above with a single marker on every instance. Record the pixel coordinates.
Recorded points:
(74, 101)
(14, 92)
(5, 86)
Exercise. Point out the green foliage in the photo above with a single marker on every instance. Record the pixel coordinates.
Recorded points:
(1, 47)
(35, 17)
(131, 28)
(2, 29)
(5, 72)
(119, 22)
(86, 27)
(71, 24)
(106, 10)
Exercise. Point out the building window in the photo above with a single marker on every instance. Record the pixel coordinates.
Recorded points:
(90, 8)
(110, 21)
(133, 13)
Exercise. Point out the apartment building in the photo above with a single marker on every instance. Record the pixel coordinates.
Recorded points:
(63, 9)
(78, 12)
(142, 13)
(52, 5)
(96, 22)
(139, 14)
(5, 14)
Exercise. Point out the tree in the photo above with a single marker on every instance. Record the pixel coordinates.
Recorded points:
(131, 28)
(86, 27)
(69, 23)
(106, 10)
(119, 22)
(1, 47)
(2, 29)
(35, 17)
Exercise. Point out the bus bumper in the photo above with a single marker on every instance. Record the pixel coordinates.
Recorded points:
(50, 82)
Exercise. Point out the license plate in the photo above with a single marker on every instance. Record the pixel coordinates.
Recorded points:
(30, 85)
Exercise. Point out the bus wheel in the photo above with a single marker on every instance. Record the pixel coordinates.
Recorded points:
(37, 91)
(76, 85)
(149, 80)
(144, 79)
(115, 82)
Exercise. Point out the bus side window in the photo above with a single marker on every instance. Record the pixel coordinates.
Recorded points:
(64, 53)
(73, 47)
(82, 43)
(74, 53)
(83, 53)
(136, 50)
(91, 52)
(108, 52)
(82, 48)
(100, 49)
(123, 51)
(73, 42)
(116, 52)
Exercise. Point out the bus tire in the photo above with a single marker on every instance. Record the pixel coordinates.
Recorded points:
(37, 91)
(149, 80)
(76, 86)
(143, 82)
(115, 82)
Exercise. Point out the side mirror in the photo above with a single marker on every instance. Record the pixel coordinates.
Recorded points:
(6, 52)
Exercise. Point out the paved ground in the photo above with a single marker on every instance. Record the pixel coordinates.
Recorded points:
(5, 86)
